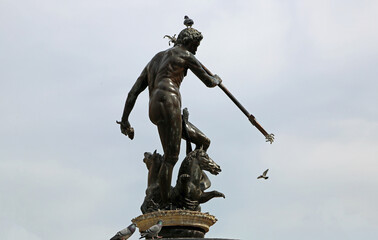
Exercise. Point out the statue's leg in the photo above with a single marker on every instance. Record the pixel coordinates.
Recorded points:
(170, 131)
(197, 137)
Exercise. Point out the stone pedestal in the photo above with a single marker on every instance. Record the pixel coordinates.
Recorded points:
(198, 239)
(177, 223)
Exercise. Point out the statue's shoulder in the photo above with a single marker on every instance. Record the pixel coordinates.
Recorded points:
(179, 51)
(173, 51)
(159, 55)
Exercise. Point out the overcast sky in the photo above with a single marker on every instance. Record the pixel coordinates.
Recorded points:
(306, 69)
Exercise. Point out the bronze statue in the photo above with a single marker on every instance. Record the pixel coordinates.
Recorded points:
(163, 76)
(179, 206)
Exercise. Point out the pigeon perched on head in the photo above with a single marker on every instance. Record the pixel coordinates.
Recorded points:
(153, 231)
(264, 175)
(125, 233)
(188, 22)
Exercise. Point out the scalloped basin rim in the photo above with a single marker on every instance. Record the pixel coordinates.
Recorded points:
(175, 218)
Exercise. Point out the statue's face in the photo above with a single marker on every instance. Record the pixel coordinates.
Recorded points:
(207, 163)
(193, 46)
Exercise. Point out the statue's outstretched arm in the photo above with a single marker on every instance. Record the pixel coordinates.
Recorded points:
(139, 86)
(196, 67)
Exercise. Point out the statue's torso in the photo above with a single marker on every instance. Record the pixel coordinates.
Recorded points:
(167, 70)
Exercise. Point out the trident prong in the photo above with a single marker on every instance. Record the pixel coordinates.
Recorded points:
(269, 138)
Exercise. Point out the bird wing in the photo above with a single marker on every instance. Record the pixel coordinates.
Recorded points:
(261, 176)
(154, 229)
(124, 231)
(266, 171)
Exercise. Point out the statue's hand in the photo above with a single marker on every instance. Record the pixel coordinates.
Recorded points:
(126, 129)
(218, 80)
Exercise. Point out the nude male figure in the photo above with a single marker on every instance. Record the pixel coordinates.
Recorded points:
(163, 76)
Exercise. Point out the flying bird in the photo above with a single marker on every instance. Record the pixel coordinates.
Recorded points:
(152, 231)
(264, 175)
(188, 22)
(125, 233)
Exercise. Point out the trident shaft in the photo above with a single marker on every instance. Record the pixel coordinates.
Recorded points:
(251, 118)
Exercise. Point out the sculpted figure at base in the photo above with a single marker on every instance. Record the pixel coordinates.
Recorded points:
(153, 198)
(189, 193)
(192, 181)
(191, 184)
(163, 76)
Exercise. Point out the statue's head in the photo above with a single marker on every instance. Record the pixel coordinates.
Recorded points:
(190, 38)
(206, 163)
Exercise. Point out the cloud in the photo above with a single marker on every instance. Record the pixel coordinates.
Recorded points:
(342, 31)
(42, 195)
